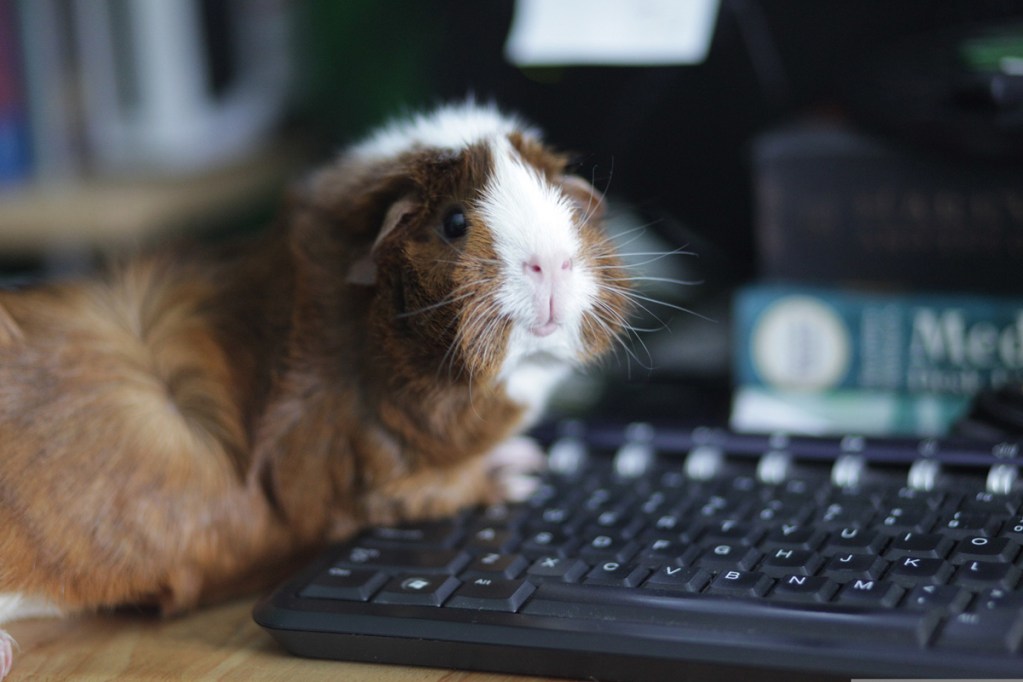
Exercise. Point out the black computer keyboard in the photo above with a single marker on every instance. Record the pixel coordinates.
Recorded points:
(653, 553)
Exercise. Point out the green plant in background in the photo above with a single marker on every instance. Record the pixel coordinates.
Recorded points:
(365, 59)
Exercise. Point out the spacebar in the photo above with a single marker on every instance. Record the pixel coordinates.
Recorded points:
(746, 617)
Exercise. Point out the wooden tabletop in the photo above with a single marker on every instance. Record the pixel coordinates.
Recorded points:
(218, 643)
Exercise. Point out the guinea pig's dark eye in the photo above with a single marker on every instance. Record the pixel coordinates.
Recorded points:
(455, 224)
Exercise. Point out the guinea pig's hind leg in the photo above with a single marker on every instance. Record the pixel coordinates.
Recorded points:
(513, 465)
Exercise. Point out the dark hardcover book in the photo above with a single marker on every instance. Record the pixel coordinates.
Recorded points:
(837, 206)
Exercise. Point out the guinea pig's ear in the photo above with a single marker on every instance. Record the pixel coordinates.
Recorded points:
(587, 199)
(364, 270)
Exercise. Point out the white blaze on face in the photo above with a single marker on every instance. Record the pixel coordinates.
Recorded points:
(545, 286)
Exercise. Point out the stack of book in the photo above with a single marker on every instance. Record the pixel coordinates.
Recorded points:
(890, 287)
(13, 124)
(137, 86)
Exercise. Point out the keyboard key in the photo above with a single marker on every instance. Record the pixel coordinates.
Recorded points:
(964, 524)
(667, 523)
(783, 508)
(557, 515)
(507, 515)
(496, 564)
(870, 593)
(947, 597)
(548, 542)
(847, 514)
(911, 570)
(792, 536)
(731, 532)
(801, 588)
(598, 499)
(345, 583)
(671, 480)
(980, 575)
(782, 562)
(546, 492)
(557, 568)
(722, 508)
(998, 598)
(988, 631)
(857, 496)
(491, 539)
(439, 534)
(652, 504)
(449, 561)
(740, 584)
(616, 574)
(924, 545)
(660, 550)
(846, 567)
(982, 548)
(491, 594)
(797, 490)
(607, 548)
(676, 578)
(724, 556)
(908, 519)
(990, 503)
(759, 618)
(422, 589)
(932, 499)
(776, 512)
(854, 540)
(1013, 529)
(614, 522)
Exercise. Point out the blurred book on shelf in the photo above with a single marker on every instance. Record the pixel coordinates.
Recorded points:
(14, 161)
(135, 86)
(174, 86)
(836, 205)
(817, 359)
(140, 118)
(52, 84)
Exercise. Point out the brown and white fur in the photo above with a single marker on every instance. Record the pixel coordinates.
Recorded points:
(184, 426)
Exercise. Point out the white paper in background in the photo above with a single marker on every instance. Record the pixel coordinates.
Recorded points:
(611, 32)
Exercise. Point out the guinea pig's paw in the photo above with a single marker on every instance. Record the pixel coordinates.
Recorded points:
(7, 647)
(514, 466)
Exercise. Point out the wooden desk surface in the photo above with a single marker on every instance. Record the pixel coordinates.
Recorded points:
(219, 643)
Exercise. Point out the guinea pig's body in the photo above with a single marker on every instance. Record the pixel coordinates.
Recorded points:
(184, 426)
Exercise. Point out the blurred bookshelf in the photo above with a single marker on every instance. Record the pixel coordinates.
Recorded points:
(126, 122)
(108, 213)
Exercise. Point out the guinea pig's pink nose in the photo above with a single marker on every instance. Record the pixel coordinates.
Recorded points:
(539, 267)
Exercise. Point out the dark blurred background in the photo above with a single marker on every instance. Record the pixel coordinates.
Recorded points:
(674, 147)
(677, 138)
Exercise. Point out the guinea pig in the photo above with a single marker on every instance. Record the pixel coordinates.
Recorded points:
(186, 424)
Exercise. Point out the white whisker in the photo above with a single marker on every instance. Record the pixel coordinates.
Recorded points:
(653, 256)
(635, 296)
(665, 280)
(619, 342)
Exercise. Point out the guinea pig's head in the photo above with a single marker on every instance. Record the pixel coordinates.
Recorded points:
(488, 252)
